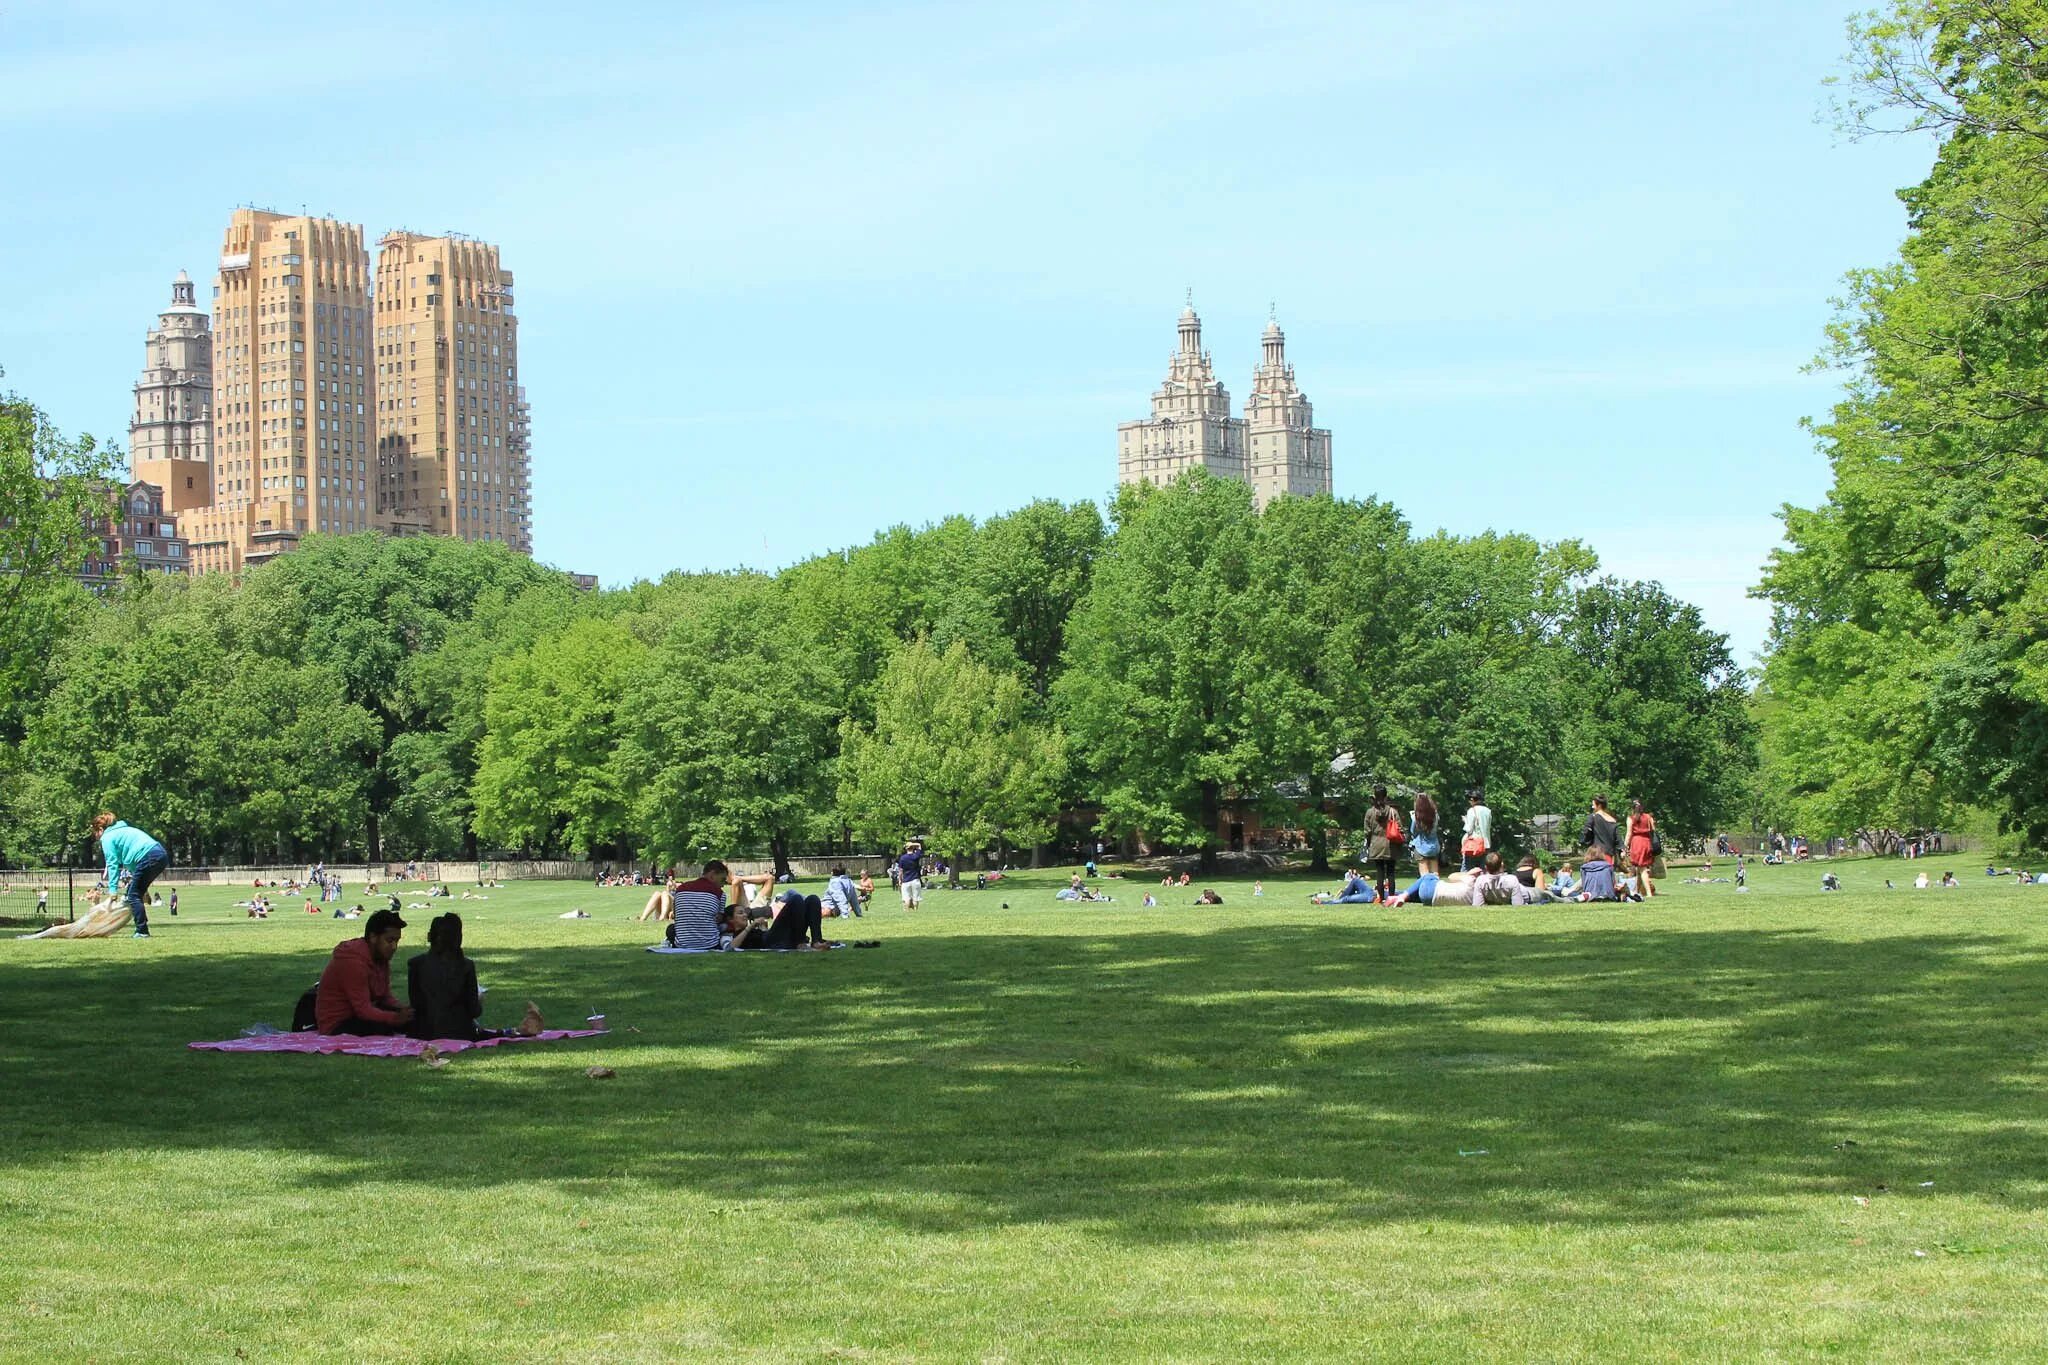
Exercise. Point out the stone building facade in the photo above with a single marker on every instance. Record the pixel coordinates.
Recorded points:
(1275, 447)
(170, 435)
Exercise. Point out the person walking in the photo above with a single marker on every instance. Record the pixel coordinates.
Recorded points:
(1478, 831)
(1382, 841)
(910, 875)
(1643, 844)
(128, 850)
(1424, 840)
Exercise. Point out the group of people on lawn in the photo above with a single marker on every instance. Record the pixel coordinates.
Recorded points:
(720, 911)
(1615, 863)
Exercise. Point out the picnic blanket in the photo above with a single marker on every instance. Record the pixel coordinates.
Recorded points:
(387, 1046)
(664, 949)
(104, 920)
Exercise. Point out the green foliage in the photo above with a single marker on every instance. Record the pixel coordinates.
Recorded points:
(1156, 654)
(1911, 608)
(52, 492)
(977, 682)
(953, 754)
(728, 733)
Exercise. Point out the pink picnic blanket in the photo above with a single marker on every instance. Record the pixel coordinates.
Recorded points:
(389, 1046)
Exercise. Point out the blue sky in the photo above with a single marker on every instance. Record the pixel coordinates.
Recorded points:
(788, 274)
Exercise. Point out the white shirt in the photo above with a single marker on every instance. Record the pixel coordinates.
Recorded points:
(1479, 821)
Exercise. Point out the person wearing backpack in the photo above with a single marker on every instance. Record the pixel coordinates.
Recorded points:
(1383, 841)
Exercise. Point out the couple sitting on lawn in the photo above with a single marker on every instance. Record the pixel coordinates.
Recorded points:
(702, 919)
(354, 994)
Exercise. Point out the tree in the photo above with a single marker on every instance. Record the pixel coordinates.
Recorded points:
(1328, 606)
(553, 719)
(1155, 655)
(729, 733)
(953, 754)
(54, 492)
(372, 607)
(1929, 558)
(1665, 709)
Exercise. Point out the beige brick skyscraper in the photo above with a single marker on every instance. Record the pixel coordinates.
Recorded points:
(291, 389)
(450, 416)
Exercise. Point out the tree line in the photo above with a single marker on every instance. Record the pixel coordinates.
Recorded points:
(1907, 680)
(1139, 670)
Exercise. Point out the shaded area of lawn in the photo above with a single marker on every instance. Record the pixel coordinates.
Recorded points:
(1159, 1087)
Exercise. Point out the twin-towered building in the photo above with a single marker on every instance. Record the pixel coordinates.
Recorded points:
(322, 398)
(1275, 447)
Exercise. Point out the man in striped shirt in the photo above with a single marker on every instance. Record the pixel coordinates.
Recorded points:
(699, 906)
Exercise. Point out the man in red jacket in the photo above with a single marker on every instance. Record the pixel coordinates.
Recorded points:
(354, 995)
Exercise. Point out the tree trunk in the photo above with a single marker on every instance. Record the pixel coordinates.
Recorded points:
(1318, 827)
(376, 831)
(1212, 811)
(778, 848)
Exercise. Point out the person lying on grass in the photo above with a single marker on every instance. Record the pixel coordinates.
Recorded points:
(1353, 892)
(354, 994)
(798, 925)
(441, 985)
(1495, 886)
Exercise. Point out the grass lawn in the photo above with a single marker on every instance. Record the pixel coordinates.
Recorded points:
(1778, 1124)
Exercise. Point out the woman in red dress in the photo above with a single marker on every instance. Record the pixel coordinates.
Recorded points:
(1640, 851)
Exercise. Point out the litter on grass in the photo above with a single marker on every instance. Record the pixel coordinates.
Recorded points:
(600, 1073)
(1477, 1151)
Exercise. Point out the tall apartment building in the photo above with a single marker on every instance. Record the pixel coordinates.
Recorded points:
(170, 437)
(1190, 427)
(1275, 447)
(291, 437)
(1288, 453)
(451, 417)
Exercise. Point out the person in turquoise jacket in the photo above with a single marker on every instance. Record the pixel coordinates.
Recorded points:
(127, 849)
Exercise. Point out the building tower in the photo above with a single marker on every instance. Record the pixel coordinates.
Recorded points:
(1288, 453)
(292, 389)
(451, 416)
(1190, 427)
(170, 437)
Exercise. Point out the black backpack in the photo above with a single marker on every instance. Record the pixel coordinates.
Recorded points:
(304, 1017)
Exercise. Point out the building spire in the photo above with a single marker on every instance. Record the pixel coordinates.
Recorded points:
(1190, 327)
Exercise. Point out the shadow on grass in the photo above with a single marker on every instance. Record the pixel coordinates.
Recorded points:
(1156, 1088)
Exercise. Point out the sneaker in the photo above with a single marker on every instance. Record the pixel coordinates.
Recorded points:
(140, 933)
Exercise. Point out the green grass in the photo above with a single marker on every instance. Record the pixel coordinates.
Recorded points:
(1061, 1132)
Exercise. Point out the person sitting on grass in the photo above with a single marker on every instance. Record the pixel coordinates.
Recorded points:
(1596, 879)
(441, 985)
(1830, 882)
(841, 895)
(700, 909)
(1920, 882)
(1208, 897)
(1563, 886)
(354, 994)
(1948, 879)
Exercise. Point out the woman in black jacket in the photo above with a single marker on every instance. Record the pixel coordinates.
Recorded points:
(441, 984)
